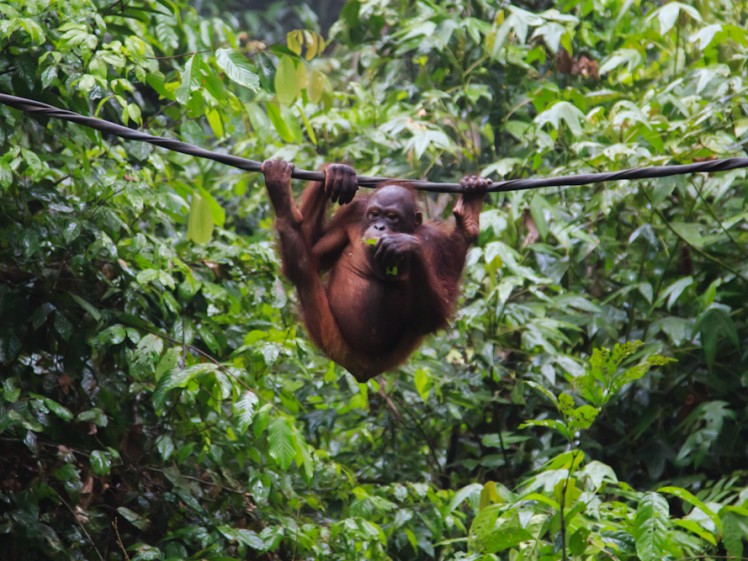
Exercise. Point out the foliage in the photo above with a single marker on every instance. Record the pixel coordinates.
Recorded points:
(159, 399)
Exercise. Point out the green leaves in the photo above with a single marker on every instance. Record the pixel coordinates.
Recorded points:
(577, 418)
(668, 14)
(76, 36)
(314, 42)
(153, 363)
(179, 378)
(602, 380)
(485, 537)
(694, 501)
(238, 68)
(562, 112)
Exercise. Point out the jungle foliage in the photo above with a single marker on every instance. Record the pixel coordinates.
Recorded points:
(159, 398)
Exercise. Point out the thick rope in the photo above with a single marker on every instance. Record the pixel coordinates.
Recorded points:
(46, 110)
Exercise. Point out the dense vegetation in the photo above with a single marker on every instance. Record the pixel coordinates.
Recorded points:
(159, 399)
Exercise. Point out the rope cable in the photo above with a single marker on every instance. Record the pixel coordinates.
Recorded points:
(45, 110)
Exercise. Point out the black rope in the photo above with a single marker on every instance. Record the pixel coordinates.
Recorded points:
(39, 108)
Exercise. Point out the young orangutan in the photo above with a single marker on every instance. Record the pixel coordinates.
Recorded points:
(391, 277)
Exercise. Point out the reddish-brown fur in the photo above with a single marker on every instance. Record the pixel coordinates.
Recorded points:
(374, 279)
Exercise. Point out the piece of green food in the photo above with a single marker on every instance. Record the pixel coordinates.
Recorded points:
(391, 271)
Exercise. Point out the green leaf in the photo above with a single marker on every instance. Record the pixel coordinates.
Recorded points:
(244, 536)
(579, 541)
(41, 314)
(489, 495)
(673, 292)
(679, 330)
(690, 232)
(715, 325)
(168, 362)
(294, 40)
(706, 35)
(66, 473)
(482, 527)
(180, 378)
(598, 473)
(554, 424)
(165, 446)
(11, 391)
(238, 68)
(470, 492)
(140, 522)
(282, 128)
(61, 411)
(696, 528)
(422, 381)
(735, 530)
(308, 126)
(95, 416)
(565, 404)
(504, 538)
(262, 418)
(693, 501)
(582, 417)
(100, 462)
(92, 311)
(485, 537)
(315, 44)
(538, 208)
(177, 378)
(245, 408)
(668, 15)
(562, 111)
(63, 326)
(33, 29)
(304, 456)
(287, 84)
(200, 221)
(544, 391)
(216, 210)
(215, 120)
(165, 31)
(651, 527)
(282, 442)
(112, 335)
(425, 139)
(184, 91)
(630, 57)
(210, 340)
(316, 85)
(152, 345)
